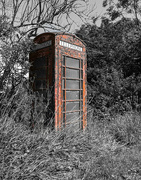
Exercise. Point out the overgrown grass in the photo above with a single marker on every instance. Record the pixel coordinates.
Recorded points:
(107, 150)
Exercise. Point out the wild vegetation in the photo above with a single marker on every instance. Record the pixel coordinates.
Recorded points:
(114, 61)
(110, 147)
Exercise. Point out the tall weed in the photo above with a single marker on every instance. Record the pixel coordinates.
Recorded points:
(109, 149)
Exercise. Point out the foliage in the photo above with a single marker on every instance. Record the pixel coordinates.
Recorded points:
(114, 65)
(14, 64)
(122, 9)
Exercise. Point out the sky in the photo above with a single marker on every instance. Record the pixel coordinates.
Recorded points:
(98, 6)
(96, 9)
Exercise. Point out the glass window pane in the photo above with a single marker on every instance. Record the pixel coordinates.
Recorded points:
(39, 62)
(41, 73)
(72, 95)
(81, 120)
(81, 106)
(82, 115)
(63, 60)
(63, 106)
(81, 96)
(81, 84)
(71, 62)
(72, 106)
(72, 117)
(81, 64)
(72, 73)
(63, 95)
(63, 72)
(64, 118)
(43, 94)
(72, 84)
(40, 84)
(63, 83)
(81, 74)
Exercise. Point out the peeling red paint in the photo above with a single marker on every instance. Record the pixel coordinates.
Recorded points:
(54, 55)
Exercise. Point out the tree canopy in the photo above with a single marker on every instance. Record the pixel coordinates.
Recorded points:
(123, 8)
(114, 64)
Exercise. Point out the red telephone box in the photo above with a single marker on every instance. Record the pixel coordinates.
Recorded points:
(59, 73)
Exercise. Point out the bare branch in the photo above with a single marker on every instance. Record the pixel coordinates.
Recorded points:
(37, 13)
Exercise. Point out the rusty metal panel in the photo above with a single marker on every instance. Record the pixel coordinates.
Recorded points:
(42, 70)
(69, 46)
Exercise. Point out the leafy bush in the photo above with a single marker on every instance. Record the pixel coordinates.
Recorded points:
(114, 65)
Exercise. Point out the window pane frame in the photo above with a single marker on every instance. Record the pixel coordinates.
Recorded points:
(65, 90)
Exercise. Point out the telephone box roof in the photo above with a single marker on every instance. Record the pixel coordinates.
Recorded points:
(61, 33)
